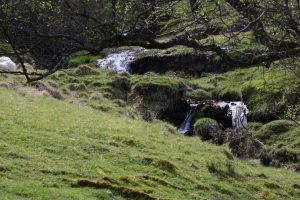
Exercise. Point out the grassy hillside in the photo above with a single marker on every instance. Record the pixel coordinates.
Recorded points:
(52, 149)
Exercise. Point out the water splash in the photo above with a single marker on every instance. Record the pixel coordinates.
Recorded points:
(237, 111)
(186, 125)
(119, 61)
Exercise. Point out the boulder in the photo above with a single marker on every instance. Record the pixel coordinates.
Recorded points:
(6, 64)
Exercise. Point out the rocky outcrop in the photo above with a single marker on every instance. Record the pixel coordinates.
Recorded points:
(188, 61)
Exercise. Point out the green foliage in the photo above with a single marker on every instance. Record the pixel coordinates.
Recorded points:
(275, 128)
(293, 113)
(199, 95)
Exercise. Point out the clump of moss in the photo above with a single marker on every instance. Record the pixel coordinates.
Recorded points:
(86, 70)
(275, 128)
(230, 94)
(254, 126)
(83, 59)
(209, 129)
(199, 95)
(282, 145)
(222, 169)
(162, 164)
(130, 141)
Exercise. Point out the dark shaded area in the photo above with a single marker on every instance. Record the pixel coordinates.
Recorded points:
(194, 63)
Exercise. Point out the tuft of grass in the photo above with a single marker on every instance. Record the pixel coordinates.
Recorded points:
(124, 191)
(86, 70)
(84, 59)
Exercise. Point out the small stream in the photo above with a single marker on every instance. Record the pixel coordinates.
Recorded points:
(237, 111)
(186, 125)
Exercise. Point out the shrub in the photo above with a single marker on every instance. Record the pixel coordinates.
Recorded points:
(275, 128)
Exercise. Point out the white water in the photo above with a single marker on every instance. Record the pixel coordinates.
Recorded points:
(119, 61)
(237, 111)
(186, 125)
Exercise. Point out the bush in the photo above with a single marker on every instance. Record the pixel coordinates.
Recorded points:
(209, 129)
(275, 128)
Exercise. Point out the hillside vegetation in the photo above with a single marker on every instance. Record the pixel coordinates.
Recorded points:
(81, 147)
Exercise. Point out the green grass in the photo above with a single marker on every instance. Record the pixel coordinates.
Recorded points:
(260, 88)
(45, 142)
(84, 59)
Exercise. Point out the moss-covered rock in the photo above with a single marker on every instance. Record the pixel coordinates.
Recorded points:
(282, 140)
(159, 97)
(179, 59)
(199, 95)
(86, 70)
(275, 128)
(81, 58)
(209, 129)
(254, 126)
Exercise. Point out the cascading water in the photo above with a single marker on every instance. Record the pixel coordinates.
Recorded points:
(186, 125)
(119, 61)
(237, 111)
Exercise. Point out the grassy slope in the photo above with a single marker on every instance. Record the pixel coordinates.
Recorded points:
(44, 141)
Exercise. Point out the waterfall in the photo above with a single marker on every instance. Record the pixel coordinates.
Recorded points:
(119, 61)
(186, 125)
(237, 111)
